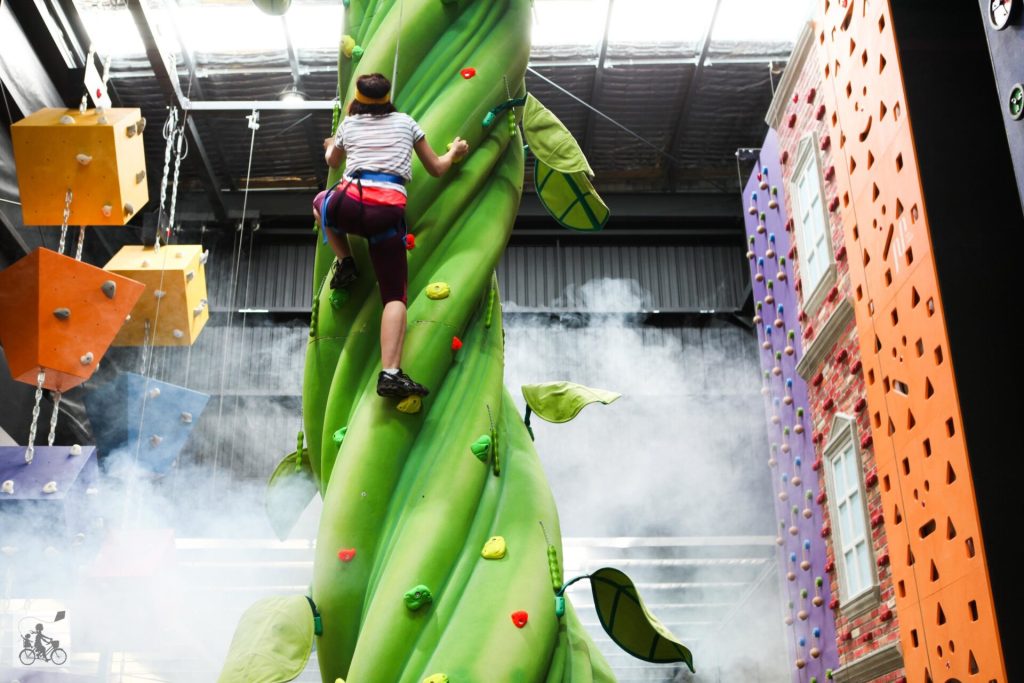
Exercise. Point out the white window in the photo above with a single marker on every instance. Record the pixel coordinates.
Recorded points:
(851, 540)
(810, 217)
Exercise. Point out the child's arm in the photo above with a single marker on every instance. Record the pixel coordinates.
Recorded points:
(333, 154)
(435, 165)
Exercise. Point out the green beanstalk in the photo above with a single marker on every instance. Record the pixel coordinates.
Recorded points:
(406, 491)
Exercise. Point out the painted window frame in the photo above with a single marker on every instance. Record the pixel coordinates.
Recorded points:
(843, 438)
(808, 161)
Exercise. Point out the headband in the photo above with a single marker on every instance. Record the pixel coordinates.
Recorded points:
(364, 99)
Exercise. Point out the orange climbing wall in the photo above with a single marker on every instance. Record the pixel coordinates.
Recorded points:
(943, 594)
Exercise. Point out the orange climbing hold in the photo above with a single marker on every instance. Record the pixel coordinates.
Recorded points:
(346, 554)
(520, 618)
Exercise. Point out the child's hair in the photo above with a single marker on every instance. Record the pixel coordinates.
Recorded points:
(372, 85)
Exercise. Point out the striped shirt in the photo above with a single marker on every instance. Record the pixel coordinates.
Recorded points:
(379, 143)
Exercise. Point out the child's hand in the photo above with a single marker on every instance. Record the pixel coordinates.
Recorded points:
(328, 142)
(459, 147)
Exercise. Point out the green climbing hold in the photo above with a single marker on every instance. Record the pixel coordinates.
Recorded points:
(338, 298)
(554, 568)
(482, 447)
(559, 606)
(417, 597)
(357, 53)
(339, 435)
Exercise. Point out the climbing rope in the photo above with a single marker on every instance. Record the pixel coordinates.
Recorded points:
(398, 41)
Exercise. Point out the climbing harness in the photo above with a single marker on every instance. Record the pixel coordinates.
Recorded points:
(357, 177)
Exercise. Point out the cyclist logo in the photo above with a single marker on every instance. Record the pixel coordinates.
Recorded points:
(36, 646)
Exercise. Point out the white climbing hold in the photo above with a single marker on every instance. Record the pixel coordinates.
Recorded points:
(186, 418)
(159, 294)
(66, 120)
(107, 210)
(83, 159)
(75, 450)
(154, 392)
(145, 263)
(91, 491)
(102, 120)
(190, 275)
(139, 177)
(129, 209)
(155, 440)
(7, 487)
(205, 257)
(109, 288)
(198, 310)
(50, 487)
(178, 254)
(62, 313)
(177, 334)
(128, 317)
(87, 358)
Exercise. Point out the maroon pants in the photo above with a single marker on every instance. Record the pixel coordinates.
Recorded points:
(383, 226)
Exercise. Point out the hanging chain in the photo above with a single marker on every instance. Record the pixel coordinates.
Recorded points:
(64, 221)
(30, 452)
(81, 243)
(170, 129)
(53, 418)
(174, 185)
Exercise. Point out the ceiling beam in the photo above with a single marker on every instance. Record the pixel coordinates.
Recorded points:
(10, 241)
(685, 106)
(168, 81)
(312, 144)
(595, 91)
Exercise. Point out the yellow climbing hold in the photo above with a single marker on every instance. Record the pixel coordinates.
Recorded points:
(339, 680)
(494, 548)
(348, 43)
(438, 290)
(436, 678)
(410, 405)
(456, 160)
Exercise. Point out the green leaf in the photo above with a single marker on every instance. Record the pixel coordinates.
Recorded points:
(550, 141)
(562, 401)
(626, 619)
(289, 490)
(570, 198)
(272, 642)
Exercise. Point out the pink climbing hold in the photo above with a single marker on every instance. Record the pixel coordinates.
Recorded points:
(468, 72)
(410, 241)
(520, 618)
(456, 343)
(346, 554)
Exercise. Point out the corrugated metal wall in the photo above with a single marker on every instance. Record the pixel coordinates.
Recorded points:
(672, 278)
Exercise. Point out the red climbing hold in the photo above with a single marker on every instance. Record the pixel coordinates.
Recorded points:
(346, 554)
(468, 72)
(410, 241)
(456, 343)
(520, 618)
(99, 93)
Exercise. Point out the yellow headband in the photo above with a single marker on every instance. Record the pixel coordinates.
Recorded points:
(360, 97)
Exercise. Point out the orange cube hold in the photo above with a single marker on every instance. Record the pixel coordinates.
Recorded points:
(60, 315)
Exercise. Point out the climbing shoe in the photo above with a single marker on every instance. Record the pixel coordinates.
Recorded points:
(399, 385)
(345, 273)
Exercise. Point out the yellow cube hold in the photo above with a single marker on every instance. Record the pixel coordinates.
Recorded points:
(176, 282)
(98, 155)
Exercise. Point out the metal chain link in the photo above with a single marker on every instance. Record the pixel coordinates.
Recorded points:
(64, 222)
(170, 128)
(53, 418)
(174, 186)
(81, 243)
(30, 452)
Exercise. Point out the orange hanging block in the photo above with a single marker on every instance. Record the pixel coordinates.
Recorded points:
(98, 155)
(175, 281)
(60, 315)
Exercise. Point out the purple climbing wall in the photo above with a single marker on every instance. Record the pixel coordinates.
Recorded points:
(810, 624)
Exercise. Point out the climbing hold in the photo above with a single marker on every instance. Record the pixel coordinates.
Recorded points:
(50, 487)
(109, 288)
(520, 618)
(417, 597)
(66, 120)
(436, 678)
(75, 450)
(339, 435)
(346, 554)
(559, 606)
(62, 313)
(145, 263)
(107, 210)
(348, 44)
(190, 275)
(456, 343)
(357, 53)
(495, 548)
(410, 242)
(438, 290)
(482, 447)
(129, 209)
(155, 440)
(338, 297)
(410, 405)
(154, 392)
(468, 72)
(139, 177)
(186, 418)
(83, 159)
(456, 160)
(159, 293)
(7, 487)
(205, 257)
(177, 334)
(86, 359)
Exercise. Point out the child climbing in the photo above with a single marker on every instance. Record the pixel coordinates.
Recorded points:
(377, 141)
